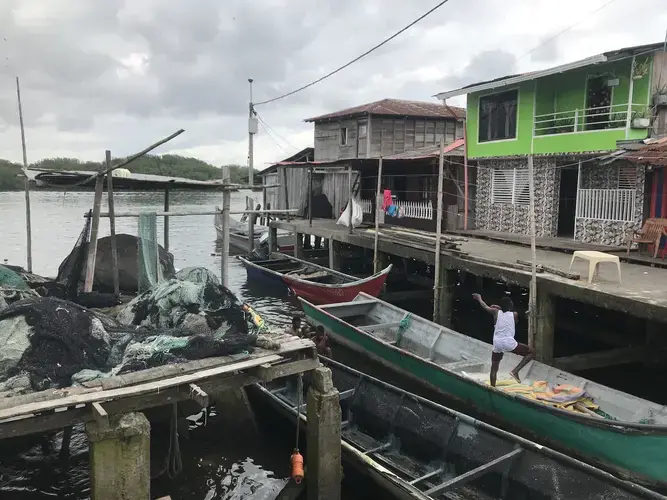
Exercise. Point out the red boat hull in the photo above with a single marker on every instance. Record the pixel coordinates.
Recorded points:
(318, 294)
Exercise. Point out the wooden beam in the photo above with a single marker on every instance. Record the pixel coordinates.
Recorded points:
(32, 424)
(551, 269)
(601, 359)
(196, 394)
(94, 229)
(137, 390)
(268, 372)
(474, 474)
(100, 415)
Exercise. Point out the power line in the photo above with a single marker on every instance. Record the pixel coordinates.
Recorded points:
(566, 29)
(276, 133)
(273, 139)
(387, 40)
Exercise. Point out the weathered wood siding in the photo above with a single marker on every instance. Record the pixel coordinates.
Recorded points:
(389, 136)
(659, 79)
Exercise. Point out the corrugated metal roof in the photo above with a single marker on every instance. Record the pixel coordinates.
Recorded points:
(654, 152)
(397, 107)
(504, 81)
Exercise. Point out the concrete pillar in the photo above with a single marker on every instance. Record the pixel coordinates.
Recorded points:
(120, 458)
(298, 245)
(324, 452)
(546, 323)
(442, 310)
(334, 255)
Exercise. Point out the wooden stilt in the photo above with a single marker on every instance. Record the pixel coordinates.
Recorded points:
(94, 229)
(112, 227)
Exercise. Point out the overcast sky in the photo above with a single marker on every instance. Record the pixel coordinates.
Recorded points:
(121, 74)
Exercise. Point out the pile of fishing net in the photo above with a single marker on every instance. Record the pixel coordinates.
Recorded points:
(52, 343)
(12, 287)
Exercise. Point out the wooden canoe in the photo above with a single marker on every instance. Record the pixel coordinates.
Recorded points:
(317, 284)
(417, 449)
(627, 436)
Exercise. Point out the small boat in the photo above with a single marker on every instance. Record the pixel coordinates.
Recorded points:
(417, 449)
(238, 237)
(611, 429)
(317, 284)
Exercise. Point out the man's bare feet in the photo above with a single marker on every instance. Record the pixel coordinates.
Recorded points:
(515, 376)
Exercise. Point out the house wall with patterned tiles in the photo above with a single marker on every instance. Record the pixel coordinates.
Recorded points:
(511, 218)
(595, 176)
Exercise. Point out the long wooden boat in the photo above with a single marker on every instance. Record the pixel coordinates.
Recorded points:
(418, 449)
(317, 284)
(625, 434)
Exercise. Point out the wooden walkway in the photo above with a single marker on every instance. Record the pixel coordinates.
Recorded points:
(100, 399)
(642, 292)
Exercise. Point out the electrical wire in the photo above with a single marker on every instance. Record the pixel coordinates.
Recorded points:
(385, 41)
(276, 133)
(566, 29)
(272, 138)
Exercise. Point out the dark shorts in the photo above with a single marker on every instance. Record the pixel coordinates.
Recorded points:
(520, 349)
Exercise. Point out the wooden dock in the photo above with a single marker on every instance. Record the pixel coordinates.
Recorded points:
(102, 399)
(642, 293)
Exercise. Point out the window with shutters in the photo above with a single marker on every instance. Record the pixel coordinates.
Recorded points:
(627, 177)
(510, 186)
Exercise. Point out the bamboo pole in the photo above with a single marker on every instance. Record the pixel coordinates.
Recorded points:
(224, 251)
(166, 219)
(349, 200)
(94, 229)
(532, 293)
(112, 228)
(438, 232)
(378, 207)
(26, 184)
(465, 176)
(286, 191)
(310, 196)
(251, 225)
(130, 159)
(264, 220)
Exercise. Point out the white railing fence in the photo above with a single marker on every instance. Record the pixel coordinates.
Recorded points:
(581, 120)
(606, 204)
(366, 206)
(408, 209)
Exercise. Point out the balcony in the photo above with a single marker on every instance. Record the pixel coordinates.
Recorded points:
(601, 118)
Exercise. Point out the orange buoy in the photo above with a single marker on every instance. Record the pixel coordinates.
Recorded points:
(297, 466)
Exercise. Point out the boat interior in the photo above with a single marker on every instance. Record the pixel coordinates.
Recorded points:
(440, 454)
(471, 358)
(301, 270)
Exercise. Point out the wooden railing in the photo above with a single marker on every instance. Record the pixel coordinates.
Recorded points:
(409, 209)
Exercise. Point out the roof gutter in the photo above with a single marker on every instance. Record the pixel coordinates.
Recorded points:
(600, 58)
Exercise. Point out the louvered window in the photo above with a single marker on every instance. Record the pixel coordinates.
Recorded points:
(510, 186)
(627, 177)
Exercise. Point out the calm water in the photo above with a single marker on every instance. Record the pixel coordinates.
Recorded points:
(217, 464)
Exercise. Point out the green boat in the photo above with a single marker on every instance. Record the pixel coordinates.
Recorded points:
(616, 431)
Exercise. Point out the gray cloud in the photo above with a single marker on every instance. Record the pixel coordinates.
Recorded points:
(124, 73)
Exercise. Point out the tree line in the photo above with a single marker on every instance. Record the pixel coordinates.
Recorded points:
(168, 165)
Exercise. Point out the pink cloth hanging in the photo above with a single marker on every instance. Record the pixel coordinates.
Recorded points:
(387, 199)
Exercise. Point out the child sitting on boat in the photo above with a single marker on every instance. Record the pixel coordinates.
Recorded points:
(322, 342)
(505, 319)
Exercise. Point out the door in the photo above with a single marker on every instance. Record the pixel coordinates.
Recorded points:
(598, 102)
(567, 201)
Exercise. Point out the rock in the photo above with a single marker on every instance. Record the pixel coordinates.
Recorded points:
(127, 246)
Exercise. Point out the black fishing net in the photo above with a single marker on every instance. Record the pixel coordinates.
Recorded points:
(71, 269)
(64, 338)
(49, 342)
(425, 439)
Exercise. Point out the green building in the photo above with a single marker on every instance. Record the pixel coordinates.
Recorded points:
(570, 118)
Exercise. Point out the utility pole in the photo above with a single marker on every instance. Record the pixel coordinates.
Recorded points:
(252, 130)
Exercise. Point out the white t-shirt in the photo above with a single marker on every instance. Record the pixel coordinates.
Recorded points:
(503, 333)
